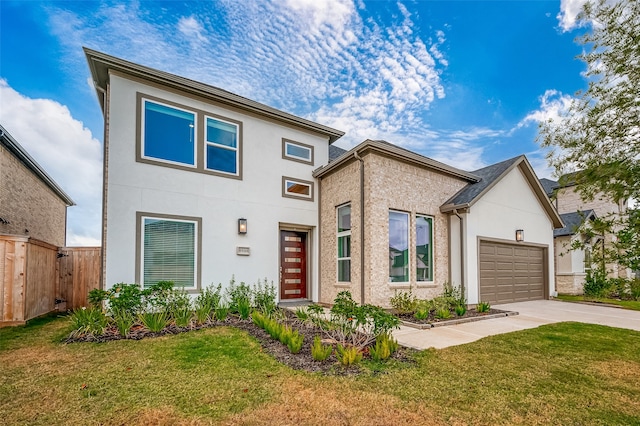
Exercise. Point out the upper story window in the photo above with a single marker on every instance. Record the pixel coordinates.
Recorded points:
(297, 151)
(181, 137)
(169, 134)
(222, 146)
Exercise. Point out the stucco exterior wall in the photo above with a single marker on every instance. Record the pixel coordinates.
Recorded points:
(29, 204)
(218, 201)
(508, 206)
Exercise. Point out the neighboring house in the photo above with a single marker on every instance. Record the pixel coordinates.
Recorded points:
(572, 265)
(31, 203)
(201, 185)
(394, 220)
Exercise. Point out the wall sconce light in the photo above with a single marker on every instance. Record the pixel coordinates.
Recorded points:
(519, 235)
(242, 226)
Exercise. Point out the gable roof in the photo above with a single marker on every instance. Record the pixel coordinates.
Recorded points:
(572, 222)
(490, 176)
(396, 152)
(101, 64)
(23, 156)
(335, 152)
(549, 186)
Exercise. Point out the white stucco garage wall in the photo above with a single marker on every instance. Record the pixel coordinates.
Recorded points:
(510, 205)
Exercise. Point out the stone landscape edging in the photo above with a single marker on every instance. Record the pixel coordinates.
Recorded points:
(457, 321)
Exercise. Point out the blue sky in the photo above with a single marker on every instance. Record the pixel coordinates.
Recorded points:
(463, 82)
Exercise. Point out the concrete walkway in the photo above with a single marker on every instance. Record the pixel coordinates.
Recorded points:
(531, 314)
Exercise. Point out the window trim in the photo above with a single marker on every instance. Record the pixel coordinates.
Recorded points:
(286, 156)
(431, 220)
(408, 265)
(140, 216)
(200, 138)
(236, 149)
(340, 234)
(287, 194)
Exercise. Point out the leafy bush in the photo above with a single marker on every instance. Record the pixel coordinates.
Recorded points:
(404, 302)
(202, 312)
(634, 289)
(461, 309)
(264, 297)
(483, 307)
(443, 313)
(349, 355)
(595, 284)
(126, 297)
(123, 320)
(210, 298)
(238, 294)
(91, 321)
(158, 296)
(182, 316)
(97, 296)
(154, 321)
(221, 312)
(422, 312)
(320, 351)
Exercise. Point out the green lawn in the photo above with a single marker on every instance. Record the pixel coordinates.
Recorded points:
(566, 373)
(627, 304)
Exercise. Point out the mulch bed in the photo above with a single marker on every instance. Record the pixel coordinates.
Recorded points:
(471, 313)
(300, 361)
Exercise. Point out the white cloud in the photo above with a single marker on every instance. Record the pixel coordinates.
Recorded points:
(190, 27)
(553, 106)
(569, 10)
(66, 150)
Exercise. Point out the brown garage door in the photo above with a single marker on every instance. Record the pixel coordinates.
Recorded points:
(511, 272)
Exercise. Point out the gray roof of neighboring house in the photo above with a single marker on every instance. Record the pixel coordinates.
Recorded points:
(549, 185)
(335, 152)
(21, 154)
(572, 222)
(101, 64)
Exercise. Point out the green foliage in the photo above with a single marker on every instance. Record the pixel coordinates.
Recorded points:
(404, 302)
(182, 316)
(237, 295)
(302, 314)
(595, 284)
(244, 308)
(384, 347)
(483, 307)
(154, 321)
(349, 355)
(202, 313)
(461, 310)
(294, 342)
(97, 296)
(123, 320)
(422, 311)
(443, 313)
(221, 312)
(89, 321)
(159, 296)
(264, 297)
(634, 289)
(126, 297)
(320, 351)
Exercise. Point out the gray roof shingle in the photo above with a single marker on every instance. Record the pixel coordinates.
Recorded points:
(335, 152)
(549, 186)
(572, 222)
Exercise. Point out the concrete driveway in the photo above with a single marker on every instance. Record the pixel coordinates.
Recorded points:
(530, 315)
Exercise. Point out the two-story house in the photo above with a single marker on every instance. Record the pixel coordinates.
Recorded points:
(201, 185)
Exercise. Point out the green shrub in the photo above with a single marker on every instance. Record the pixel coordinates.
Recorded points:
(221, 312)
(238, 294)
(89, 321)
(443, 313)
(483, 307)
(154, 321)
(182, 317)
(422, 312)
(123, 320)
(461, 309)
(258, 319)
(264, 297)
(210, 297)
(158, 296)
(244, 308)
(596, 285)
(320, 351)
(349, 355)
(382, 349)
(302, 315)
(126, 297)
(404, 302)
(634, 289)
(294, 342)
(202, 312)
(97, 296)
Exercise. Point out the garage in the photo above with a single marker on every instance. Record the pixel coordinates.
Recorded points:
(511, 272)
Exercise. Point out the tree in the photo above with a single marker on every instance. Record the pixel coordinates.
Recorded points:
(599, 134)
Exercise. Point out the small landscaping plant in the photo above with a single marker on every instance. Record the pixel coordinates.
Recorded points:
(91, 321)
(264, 297)
(221, 312)
(384, 347)
(349, 355)
(443, 313)
(319, 350)
(483, 307)
(461, 310)
(404, 302)
(123, 320)
(154, 321)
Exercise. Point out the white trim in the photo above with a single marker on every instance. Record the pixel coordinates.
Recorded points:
(308, 159)
(296, 194)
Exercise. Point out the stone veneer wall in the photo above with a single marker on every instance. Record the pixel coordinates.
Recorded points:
(389, 185)
(28, 203)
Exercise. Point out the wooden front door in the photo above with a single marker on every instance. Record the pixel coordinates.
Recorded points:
(293, 265)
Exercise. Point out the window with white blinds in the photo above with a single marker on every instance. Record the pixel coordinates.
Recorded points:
(169, 251)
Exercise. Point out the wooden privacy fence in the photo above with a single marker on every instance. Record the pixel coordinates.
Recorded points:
(37, 278)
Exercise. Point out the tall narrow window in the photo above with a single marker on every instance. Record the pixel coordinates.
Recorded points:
(344, 243)
(424, 248)
(169, 134)
(398, 246)
(221, 149)
(169, 251)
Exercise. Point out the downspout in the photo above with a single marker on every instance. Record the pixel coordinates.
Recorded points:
(462, 257)
(355, 154)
